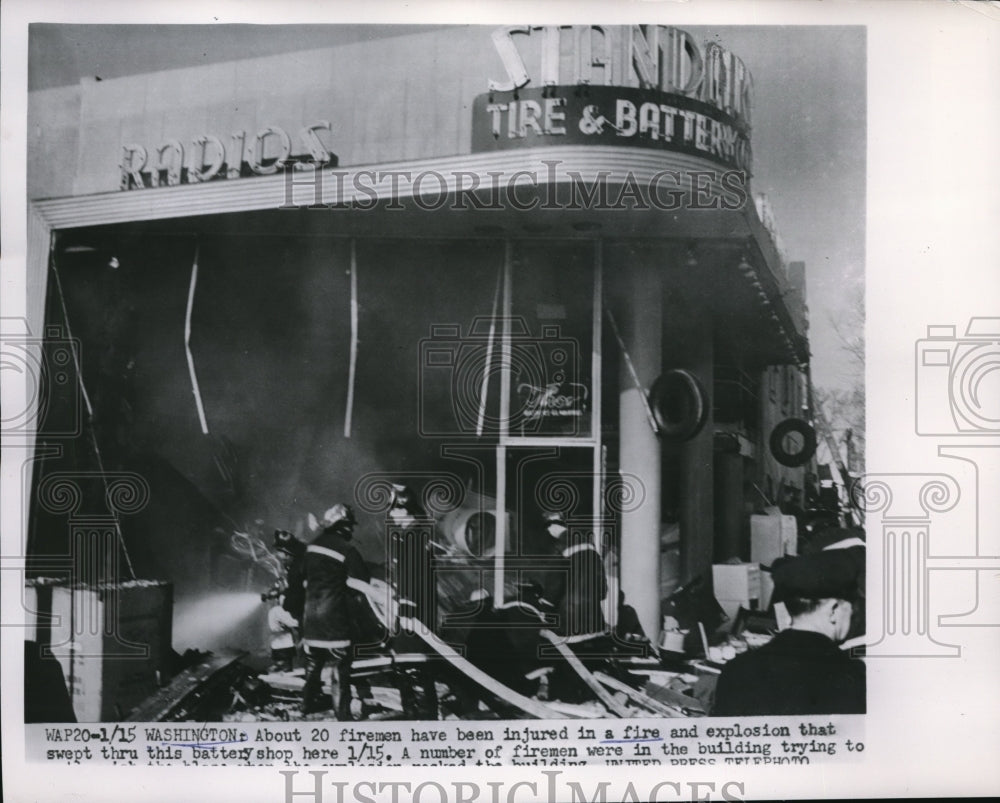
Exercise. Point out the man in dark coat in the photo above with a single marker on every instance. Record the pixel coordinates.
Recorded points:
(575, 587)
(292, 553)
(801, 670)
(851, 539)
(628, 629)
(327, 626)
(411, 557)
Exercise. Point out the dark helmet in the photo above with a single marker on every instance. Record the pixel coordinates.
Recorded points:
(403, 499)
(286, 543)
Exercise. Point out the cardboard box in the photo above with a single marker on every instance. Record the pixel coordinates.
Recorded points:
(735, 585)
(771, 537)
(112, 641)
(736, 581)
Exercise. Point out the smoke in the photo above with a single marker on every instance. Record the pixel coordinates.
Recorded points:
(271, 344)
(234, 620)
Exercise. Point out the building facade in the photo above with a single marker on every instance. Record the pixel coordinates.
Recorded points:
(517, 269)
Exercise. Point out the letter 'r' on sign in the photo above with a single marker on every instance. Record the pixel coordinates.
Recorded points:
(133, 161)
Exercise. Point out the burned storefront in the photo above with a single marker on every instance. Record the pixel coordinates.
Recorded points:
(498, 278)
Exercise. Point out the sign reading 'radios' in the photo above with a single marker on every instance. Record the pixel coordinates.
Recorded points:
(639, 85)
(647, 86)
(267, 152)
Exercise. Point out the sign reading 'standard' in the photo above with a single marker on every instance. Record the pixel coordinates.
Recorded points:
(646, 86)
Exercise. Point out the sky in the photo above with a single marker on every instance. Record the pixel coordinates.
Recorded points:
(808, 137)
(809, 146)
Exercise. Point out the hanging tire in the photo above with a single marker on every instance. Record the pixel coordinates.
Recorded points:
(800, 456)
(679, 404)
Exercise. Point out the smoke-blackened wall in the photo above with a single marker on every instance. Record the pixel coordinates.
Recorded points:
(270, 342)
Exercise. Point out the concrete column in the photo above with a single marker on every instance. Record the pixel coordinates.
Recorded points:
(697, 514)
(728, 506)
(639, 320)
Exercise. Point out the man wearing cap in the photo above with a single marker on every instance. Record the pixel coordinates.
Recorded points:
(801, 670)
(852, 540)
(326, 628)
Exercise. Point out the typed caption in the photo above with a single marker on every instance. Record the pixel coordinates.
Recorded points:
(675, 743)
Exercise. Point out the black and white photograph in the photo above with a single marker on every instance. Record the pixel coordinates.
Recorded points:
(487, 395)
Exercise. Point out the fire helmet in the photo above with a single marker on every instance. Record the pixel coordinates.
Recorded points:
(554, 517)
(286, 542)
(339, 516)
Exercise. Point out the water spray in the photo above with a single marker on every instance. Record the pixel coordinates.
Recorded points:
(216, 620)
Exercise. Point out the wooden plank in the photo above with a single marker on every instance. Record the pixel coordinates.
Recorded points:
(590, 710)
(383, 603)
(570, 657)
(364, 668)
(637, 697)
(533, 707)
(676, 698)
(159, 706)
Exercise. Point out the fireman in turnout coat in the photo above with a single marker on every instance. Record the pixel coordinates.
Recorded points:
(575, 587)
(292, 554)
(411, 557)
(327, 621)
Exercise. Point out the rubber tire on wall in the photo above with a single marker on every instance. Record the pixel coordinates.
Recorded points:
(674, 389)
(787, 427)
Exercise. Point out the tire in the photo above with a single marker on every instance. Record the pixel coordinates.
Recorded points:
(679, 404)
(777, 442)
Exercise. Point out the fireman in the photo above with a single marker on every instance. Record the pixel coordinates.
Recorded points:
(326, 629)
(292, 554)
(412, 560)
(283, 627)
(575, 587)
(578, 585)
